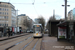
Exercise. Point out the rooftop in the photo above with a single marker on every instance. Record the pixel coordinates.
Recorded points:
(22, 15)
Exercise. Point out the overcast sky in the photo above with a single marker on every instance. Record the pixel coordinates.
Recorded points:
(41, 7)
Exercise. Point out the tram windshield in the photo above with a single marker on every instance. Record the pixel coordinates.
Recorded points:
(37, 29)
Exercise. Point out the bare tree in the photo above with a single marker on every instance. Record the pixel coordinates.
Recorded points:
(27, 23)
(52, 18)
(42, 21)
(47, 26)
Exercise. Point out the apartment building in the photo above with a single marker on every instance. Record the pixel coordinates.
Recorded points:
(74, 14)
(7, 14)
(21, 19)
(70, 15)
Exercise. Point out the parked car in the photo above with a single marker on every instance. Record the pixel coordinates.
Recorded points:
(28, 31)
(31, 31)
(46, 31)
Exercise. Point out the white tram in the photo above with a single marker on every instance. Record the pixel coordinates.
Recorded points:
(37, 29)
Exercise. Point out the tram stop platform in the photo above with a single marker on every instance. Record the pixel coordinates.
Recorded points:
(51, 43)
(5, 38)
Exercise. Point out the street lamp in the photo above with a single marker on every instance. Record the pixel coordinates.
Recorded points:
(67, 5)
(66, 9)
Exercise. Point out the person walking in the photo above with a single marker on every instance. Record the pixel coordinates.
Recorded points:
(9, 32)
(20, 31)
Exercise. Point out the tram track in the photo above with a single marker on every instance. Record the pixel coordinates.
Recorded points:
(18, 43)
(31, 46)
(35, 45)
(23, 43)
(28, 44)
(9, 41)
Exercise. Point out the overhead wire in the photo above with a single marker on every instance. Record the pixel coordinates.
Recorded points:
(37, 3)
(22, 3)
(43, 3)
(35, 8)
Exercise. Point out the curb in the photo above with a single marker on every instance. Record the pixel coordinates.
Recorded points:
(12, 37)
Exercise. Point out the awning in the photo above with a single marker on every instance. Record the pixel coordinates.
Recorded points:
(65, 23)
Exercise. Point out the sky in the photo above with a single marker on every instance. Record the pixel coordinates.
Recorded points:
(41, 7)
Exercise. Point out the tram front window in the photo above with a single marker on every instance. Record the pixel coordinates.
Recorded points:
(37, 29)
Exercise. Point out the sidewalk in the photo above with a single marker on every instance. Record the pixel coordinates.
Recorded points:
(51, 43)
(5, 38)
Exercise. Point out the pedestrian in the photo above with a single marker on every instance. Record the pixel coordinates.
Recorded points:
(9, 32)
(20, 31)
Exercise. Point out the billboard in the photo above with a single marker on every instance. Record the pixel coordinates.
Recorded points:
(61, 32)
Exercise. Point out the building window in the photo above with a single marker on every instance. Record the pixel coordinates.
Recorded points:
(3, 24)
(0, 8)
(0, 12)
(7, 13)
(3, 13)
(7, 9)
(7, 24)
(3, 9)
(5, 17)
(0, 24)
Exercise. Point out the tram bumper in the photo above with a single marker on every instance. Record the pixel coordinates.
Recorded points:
(37, 35)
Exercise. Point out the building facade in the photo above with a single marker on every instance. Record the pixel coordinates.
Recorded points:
(7, 14)
(70, 15)
(21, 19)
(37, 21)
(74, 13)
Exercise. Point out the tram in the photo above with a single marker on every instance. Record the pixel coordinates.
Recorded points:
(37, 29)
